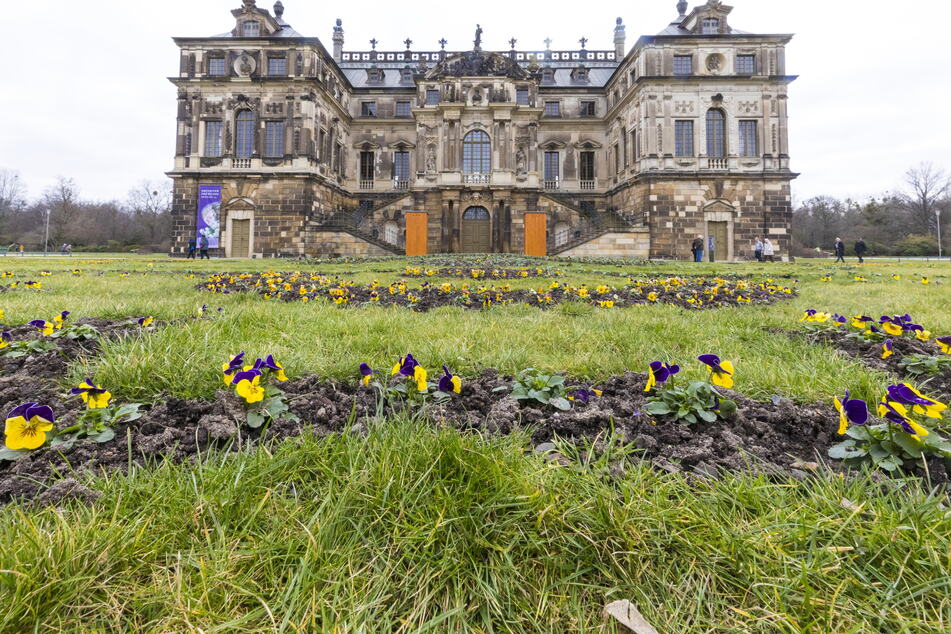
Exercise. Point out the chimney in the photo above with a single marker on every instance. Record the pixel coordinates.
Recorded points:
(619, 38)
(338, 41)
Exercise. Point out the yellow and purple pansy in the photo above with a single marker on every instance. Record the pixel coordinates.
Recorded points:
(920, 404)
(27, 425)
(897, 413)
(659, 372)
(248, 385)
(851, 410)
(145, 322)
(944, 343)
(95, 396)
(449, 383)
(271, 365)
(45, 327)
(5, 339)
(887, 350)
(721, 372)
(60, 319)
(229, 369)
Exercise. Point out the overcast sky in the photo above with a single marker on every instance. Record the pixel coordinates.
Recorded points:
(86, 96)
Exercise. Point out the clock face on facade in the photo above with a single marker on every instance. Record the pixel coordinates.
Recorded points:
(245, 65)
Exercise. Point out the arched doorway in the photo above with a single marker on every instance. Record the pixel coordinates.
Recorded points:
(475, 230)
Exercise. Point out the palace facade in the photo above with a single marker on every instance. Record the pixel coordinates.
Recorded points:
(286, 148)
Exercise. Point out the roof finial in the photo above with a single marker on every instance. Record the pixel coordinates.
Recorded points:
(682, 8)
(249, 4)
(442, 43)
(278, 9)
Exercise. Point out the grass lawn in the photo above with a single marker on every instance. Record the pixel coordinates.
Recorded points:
(416, 528)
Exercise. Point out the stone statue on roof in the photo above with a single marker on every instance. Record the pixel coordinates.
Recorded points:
(478, 38)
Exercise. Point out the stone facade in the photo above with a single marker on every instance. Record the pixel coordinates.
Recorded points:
(322, 152)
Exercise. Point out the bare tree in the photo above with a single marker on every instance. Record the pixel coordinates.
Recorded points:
(62, 204)
(150, 204)
(11, 195)
(929, 186)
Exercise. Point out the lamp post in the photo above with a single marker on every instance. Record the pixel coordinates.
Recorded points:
(46, 240)
(937, 212)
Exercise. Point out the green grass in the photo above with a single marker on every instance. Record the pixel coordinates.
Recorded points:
(412, 529)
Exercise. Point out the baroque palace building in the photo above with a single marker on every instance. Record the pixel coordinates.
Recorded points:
(286, 148)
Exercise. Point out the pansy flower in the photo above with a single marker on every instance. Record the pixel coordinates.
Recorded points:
(944, 343)
(273, 366)
(851, 410)
(892, 328)
(367, 373)
(921, 404)
(236, 363)
(5, 339)
(721, 372)
(60, 319)
(897, 413)
(248, 385)
(145, 322)
(43, 326)
(584, 395)
(26, 426)
(861, 322)
(449, 383)
(95, 396)
(659, 372)
(406, 366)
(887, 349)
(922, 335)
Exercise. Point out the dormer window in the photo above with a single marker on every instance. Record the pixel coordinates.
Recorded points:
(406, 75)
(711, 26)
(250, 29)
(579, 75)
(548, 76)
(374, 76)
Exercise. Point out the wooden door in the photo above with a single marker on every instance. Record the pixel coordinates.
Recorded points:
(476, 229)
(720, 251)
(240, 238)
(417, 233)
(536, 234)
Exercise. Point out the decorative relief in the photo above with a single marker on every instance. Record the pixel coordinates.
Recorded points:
(747, 107)
(683, 107)
(714, 62)
(245, 65)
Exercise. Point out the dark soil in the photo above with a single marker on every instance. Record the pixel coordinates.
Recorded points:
(870, 354)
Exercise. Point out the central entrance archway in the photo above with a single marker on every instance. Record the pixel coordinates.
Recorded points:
(475, 230)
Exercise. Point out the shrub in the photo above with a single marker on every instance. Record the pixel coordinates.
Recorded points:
(917, 245)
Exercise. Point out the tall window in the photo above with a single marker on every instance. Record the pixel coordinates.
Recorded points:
(587, 166)
(476, 153)
(366, 166)
(624, 146)
(748, 144)
(551, 166)
(213, 138)
(216, 66)
(716, 133)
(432, 97)
(711, 26)
(745, 64)
(244, 134)
(401, 166)
(403, 109)
(634, 150)
(683, 65)
(521, 96)
(277, 66)
(274, 139)
(250, 29)
(617, 159)
(552, 109)
(683, 138)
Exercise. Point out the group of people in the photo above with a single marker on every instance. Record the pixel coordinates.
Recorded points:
(763, 249)
(860, 250)
(202, 247)
(66, 249)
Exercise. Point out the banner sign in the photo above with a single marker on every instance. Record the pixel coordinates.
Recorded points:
(209, 214)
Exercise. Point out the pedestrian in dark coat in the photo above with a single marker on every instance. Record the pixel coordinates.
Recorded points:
(860, 250)
(839, 250)
(191, 248)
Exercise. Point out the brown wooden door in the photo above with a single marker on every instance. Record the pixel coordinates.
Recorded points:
(417, 228)
(721, 247)
(476, 228)
(536, 234)
(240, 238)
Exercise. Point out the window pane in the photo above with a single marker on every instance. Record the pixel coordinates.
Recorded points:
(403, 109)
(251, 29)
(476, 153)
(716, 140)
(366, 166)
(216, 66)
(368, 109)
(521, 96)
(277, 66)
(274, 139)
(683, 65)
(748, 138)
(244, 134)
(401, 166)
(745, 64)
(213, 138)
(587, 108)
(551, 166)
(711, 26)
(552, 109)
(432, 97)
(683, 133)
(587, 166)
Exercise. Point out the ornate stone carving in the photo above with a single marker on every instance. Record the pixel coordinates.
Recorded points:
(245, 65)
(521, 161)
(747, 107)
(683, 107)
(478, 64)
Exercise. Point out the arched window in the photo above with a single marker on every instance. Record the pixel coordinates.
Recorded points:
(476, 213)
(476, 153)
(716, 133)
(244, 134)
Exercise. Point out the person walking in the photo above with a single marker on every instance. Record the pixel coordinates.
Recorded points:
(758, 249)
(861, 249)
(768, 250)
(191, 249)
(203, 248)
(839, 250)
(697, 249)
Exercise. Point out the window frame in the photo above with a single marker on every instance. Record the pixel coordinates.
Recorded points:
(274, 59)
(367, 165)
(401, 165)
(583, 156)
(681, 59)
(710, 23)
(748, 135)
(256, 29)
(433, 97)
(716, 138)
(216, 150)
(587, 111)
(244, 134)
(274, 141)
(684, 138)
(212, 59)
(477, 153)
(403, 105)
(552, 109)
(368, 109)
(751, 58)
(518, 97)
(552, 165)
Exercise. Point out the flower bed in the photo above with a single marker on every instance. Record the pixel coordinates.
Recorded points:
(695, 293)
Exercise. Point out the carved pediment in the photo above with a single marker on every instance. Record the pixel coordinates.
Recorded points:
(402, 145)
(588, 144)
(553, 145)
(366, 146)
(477, 64)
(718, 205)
